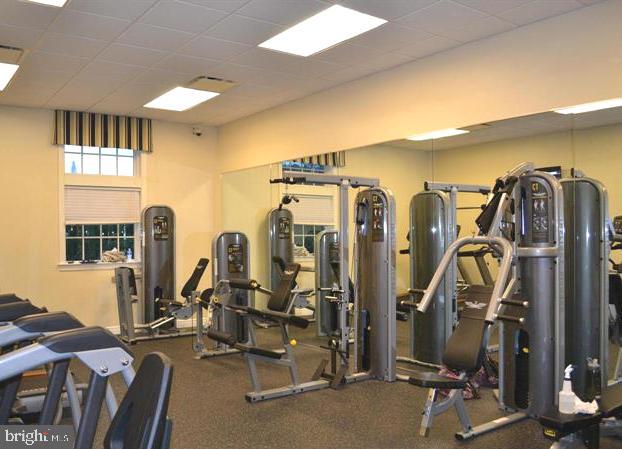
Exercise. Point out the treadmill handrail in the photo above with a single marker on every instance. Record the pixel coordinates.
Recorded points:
(507, 254)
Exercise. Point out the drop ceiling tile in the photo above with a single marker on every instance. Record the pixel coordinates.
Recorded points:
(18, 36)
(70, 45)
(208, 47)
(77, 23)
(238, 73)
(538, 9)
(26, 94)
(108, 70)
(493, 6)
(157, 38)
(350, 73)
(441, 16)
(78, 96)
(284, 12)
(130, 54)
(43, 78)
(387, 61)
(163, 78)
(41, 61)
(266, 59)
(182, 16)
(124, 100)
(347, 54)
(26, 14)
(316, 68)
(189, 64)
(121, 9)
(428, 47)
(221, 5)
(255, 91)
(389, 10)
(243, 29)
(271, 78)
(478, 29)
(390, 36)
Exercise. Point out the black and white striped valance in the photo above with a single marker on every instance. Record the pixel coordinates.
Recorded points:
(102, 130)
(336, 159)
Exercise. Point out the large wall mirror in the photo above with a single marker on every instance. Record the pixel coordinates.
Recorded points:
(590, 143)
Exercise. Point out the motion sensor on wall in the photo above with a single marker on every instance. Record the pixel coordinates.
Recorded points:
(197, 132)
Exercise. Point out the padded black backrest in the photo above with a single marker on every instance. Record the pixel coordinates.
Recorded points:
(14, 310)
(192, 284)
(140, 421)
(132, 279)
(90, 338)
(7, 298)
(280, 296)
(47, 322)
(279, 262)
(466, 348)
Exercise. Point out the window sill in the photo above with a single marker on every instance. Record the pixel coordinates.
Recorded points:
(65, 266)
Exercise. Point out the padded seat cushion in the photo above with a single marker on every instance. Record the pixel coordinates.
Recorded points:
(433, 380)
(611, 401)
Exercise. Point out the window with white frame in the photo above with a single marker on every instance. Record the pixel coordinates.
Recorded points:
(99, 161)
(99, 220)
(312, 215)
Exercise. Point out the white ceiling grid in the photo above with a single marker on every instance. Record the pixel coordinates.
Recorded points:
(114, 56)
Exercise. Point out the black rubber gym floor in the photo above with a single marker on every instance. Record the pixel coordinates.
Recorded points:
(209, 409)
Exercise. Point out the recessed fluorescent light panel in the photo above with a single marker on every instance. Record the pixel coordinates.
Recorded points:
(438, 134)
(57, 3)
(181, 99)
(6, 73)
(323, 30)
(590, 107)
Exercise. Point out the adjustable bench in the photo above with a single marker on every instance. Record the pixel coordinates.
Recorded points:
(277, 314)
(464, 353)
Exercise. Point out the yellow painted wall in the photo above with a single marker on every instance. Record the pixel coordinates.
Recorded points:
(557, 62)
(181, 172)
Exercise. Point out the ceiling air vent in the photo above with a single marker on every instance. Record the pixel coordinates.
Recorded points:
(211, 84)
(10, 55)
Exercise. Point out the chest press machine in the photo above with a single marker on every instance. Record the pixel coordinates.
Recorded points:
(433, 227)
(373, 324)
(552, 241)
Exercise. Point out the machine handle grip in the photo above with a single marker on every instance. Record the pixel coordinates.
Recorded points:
(223, 337)
(244, 284)
(405, 251)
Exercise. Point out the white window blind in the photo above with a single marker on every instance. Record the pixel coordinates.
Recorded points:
(93, 205)
(313, 209)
